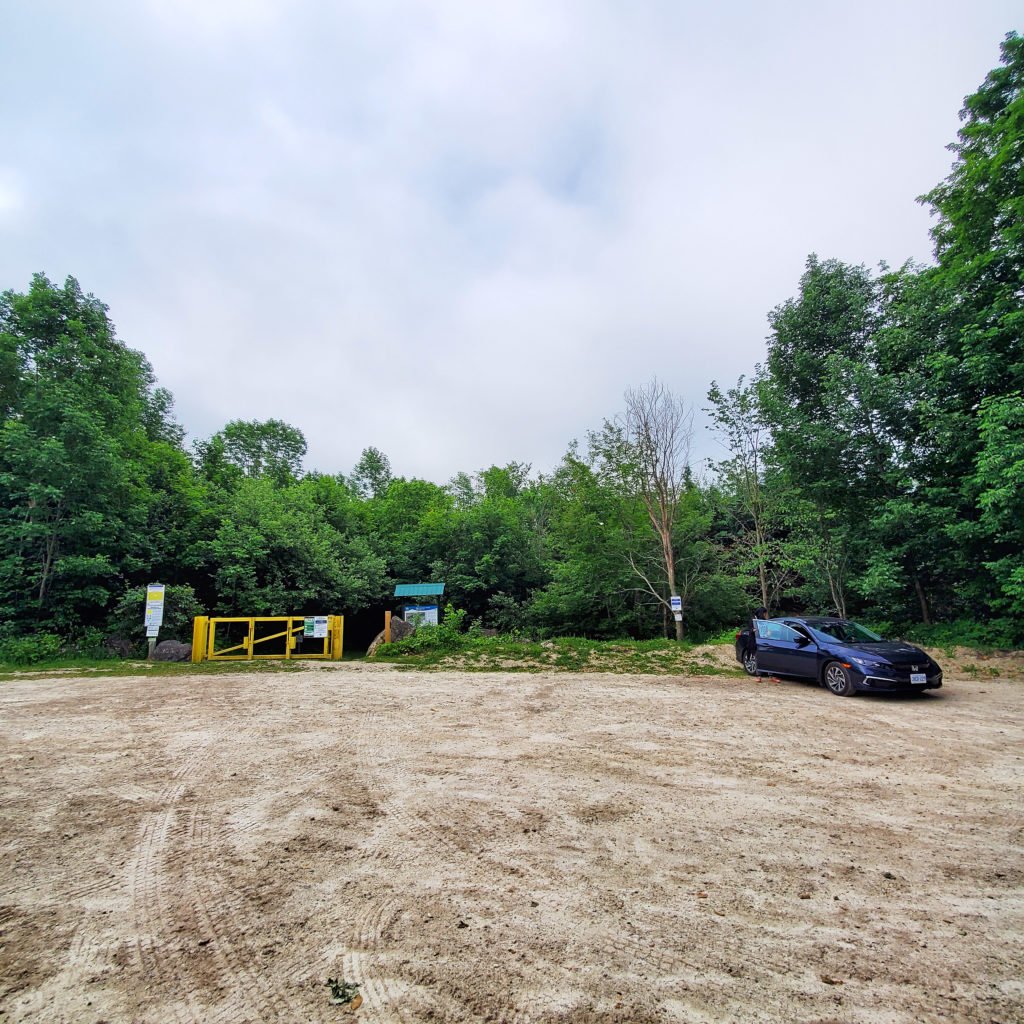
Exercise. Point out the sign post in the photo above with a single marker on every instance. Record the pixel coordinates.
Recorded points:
(677, 607)
(154, 615)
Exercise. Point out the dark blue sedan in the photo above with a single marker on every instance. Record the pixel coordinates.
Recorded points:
(841, 655)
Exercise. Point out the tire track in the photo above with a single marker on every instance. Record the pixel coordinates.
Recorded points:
(415, 841)
(382, 995)
(418, 837)
(151, 911)
(236, 937)
(225, 921)
(421, 841)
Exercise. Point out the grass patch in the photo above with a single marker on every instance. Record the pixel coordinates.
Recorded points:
(474, 653)
(96, 667)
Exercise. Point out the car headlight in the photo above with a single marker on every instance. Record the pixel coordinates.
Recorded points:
(868, 662)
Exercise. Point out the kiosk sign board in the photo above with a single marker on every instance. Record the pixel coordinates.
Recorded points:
(154, 608)
(421, 614)
(314, 626)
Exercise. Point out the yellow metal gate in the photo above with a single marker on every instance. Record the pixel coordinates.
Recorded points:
(289, 637)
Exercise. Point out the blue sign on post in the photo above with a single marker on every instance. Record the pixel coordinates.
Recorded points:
(421, 615)
(677, 603)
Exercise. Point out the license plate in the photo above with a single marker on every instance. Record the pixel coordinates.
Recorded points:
(918, 678)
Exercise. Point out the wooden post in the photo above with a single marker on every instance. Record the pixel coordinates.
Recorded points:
(387, 627)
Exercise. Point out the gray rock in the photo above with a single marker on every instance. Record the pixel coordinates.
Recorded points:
(172, 650)
(400, 629)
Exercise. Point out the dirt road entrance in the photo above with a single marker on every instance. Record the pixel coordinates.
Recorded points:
(473, 847)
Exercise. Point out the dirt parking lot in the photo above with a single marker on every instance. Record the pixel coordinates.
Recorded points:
(513, 847)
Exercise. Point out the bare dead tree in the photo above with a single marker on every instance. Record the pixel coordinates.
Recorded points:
(658, 430)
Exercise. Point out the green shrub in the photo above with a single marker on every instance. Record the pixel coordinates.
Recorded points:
(30, 650)
(180, 607)
(965, 633)
(1001, 633)
(724, 636)
(447, 635)
(91, 643)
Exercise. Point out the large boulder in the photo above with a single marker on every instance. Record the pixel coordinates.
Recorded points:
(172, 650)
(120, 645)
(400, 629)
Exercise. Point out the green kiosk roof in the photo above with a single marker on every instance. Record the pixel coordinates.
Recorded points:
(419, 589)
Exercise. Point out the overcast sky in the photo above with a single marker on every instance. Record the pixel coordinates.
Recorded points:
(456, 230)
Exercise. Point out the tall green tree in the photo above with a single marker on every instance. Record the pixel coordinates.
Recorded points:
(254, 449)
(81, 433)
(753, 496)
(494, 549)
(976, 294)
(590, 588)
(372, 473)
(274, 553)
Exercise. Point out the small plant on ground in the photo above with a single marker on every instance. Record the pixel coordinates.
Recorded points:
(344, 993)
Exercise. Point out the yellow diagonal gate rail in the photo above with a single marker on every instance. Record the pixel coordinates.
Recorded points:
(262, 637)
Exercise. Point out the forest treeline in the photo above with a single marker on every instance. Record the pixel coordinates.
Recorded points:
(873, 465)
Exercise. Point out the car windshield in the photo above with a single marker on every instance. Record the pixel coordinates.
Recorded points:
(847, 632)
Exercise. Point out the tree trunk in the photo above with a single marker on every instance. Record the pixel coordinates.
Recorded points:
(762, 569)
(925, 617)
(49, 557)
(837, 597)
(670, 572)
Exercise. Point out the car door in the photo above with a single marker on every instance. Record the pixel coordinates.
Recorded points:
(783, 650)
(802, 659)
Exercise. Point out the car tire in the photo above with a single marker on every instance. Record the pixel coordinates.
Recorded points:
(837, 680)
(750, 662)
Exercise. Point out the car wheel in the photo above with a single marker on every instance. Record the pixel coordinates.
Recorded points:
(750, 662)
(838, 680)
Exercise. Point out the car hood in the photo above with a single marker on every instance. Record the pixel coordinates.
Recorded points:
(894, 651)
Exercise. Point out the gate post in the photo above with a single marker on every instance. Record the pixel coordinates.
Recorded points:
(337, 636)
(199, 638)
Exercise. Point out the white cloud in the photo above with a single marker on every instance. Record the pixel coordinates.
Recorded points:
(13, 201)
(215, 18)
(459, 231)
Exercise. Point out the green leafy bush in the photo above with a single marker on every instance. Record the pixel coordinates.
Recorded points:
(180, 607)
(964, 633)
(724, 636)
(90, 643)
(30, 650)
(447, 635)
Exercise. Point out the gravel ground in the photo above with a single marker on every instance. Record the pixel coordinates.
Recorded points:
(508, 847)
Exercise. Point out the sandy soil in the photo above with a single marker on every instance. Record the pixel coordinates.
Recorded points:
(508, 848)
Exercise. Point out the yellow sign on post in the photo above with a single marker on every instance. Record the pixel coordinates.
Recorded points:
(154, 608)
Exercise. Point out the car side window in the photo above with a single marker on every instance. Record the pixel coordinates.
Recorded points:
(802, 631)
(769, 629)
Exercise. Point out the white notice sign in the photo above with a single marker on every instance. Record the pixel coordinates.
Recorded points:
(421, 614)
(677, 603)
(154, 608)
(315, 626)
